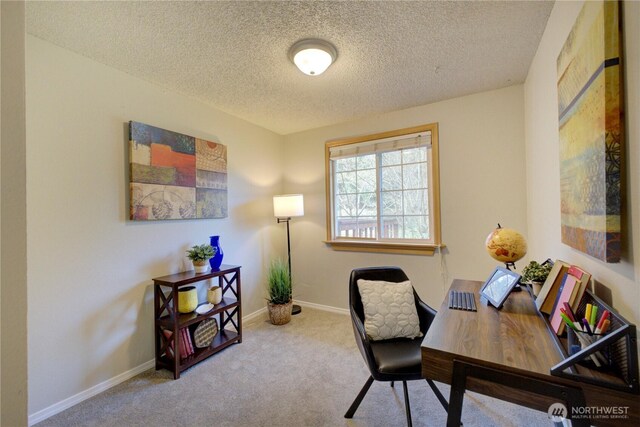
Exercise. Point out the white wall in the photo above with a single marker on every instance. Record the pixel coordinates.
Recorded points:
(542, 152)
(90, 269)
(13, 285)
(482, 183)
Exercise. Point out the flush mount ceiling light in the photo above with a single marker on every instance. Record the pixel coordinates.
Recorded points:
(313, 56)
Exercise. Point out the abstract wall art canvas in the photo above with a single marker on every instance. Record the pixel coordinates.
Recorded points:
(175, 176)
(590, 110)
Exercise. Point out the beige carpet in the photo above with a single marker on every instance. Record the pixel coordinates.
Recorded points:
(305, 373)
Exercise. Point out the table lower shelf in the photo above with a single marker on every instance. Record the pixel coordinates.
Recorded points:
(221, 341)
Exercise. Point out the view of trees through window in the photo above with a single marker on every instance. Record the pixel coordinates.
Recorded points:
(382, 195)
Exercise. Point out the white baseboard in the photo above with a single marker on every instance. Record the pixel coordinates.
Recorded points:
(262, 313)
(90, 392)
(105, 385)
(322, 307)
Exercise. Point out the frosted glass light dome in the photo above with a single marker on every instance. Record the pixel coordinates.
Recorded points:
(313, 56)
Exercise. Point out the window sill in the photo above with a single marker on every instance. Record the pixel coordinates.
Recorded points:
(383, 247)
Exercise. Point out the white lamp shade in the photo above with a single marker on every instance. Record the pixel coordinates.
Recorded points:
(288, 205)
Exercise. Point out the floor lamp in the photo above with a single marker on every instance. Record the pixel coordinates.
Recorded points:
(284, 208)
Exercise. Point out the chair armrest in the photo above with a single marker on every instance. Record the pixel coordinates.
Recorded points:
(363, 341)
(358, 328)
(426, 315)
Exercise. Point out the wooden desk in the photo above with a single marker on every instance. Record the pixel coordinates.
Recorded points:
(508, 354)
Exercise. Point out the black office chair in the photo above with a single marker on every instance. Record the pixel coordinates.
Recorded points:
(397, 359)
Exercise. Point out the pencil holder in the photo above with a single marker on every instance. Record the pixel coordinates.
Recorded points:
(578, 341)
(619, 341)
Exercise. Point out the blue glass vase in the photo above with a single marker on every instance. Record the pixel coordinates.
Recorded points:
(217, 258)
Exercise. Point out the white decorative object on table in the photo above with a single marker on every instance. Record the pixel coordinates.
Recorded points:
(214, 294)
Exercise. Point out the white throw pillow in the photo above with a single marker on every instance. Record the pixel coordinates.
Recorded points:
(389, 310)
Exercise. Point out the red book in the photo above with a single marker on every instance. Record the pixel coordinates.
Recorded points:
(575, 271)
(186, 338)
(190, 341)
(585, 279)
(184, 348)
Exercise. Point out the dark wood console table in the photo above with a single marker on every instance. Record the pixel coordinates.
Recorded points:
(508, 354)
(167, 317)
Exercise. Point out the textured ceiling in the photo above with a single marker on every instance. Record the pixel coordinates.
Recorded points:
(233, 55)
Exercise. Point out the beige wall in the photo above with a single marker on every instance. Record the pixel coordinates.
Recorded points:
(482, 182)
(93, 268)
(89, 278)
(13, 280)
(543, 195)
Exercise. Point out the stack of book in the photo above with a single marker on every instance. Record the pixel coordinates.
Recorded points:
(565, 284)
(186, 344)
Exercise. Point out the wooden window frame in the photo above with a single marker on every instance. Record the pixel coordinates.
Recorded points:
(346, 244)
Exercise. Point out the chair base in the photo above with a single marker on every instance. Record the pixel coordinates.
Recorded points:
(439, 395)
(407, 407)
(359, 397)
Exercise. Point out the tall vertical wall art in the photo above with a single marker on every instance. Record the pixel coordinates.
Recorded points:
(175, 176)
(590, 108)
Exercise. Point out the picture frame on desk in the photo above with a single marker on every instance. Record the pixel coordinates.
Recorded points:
(498, 286)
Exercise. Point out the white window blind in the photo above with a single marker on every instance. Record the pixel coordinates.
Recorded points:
(381, 145)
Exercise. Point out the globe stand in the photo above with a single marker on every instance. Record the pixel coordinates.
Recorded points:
(508, 265)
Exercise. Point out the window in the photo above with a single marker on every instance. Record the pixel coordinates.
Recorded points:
(383, 192)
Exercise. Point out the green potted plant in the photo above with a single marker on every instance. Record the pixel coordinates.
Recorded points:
(200, 255)
(536, 274)
(279, 302)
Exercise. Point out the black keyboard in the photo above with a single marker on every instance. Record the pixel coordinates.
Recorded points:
(462, 301)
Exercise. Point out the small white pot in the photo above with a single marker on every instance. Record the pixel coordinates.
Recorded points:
(214, 295)
(201, 266)
(536, 287)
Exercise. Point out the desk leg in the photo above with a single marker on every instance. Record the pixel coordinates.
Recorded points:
(456, 395)
(461, 370)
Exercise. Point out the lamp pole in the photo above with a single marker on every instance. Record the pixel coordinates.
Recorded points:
(296, 308)
(288, 243)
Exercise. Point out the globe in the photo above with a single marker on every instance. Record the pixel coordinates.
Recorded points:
(506, 245)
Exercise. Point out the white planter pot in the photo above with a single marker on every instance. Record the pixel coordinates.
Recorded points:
(536, 287)
(201, 266)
